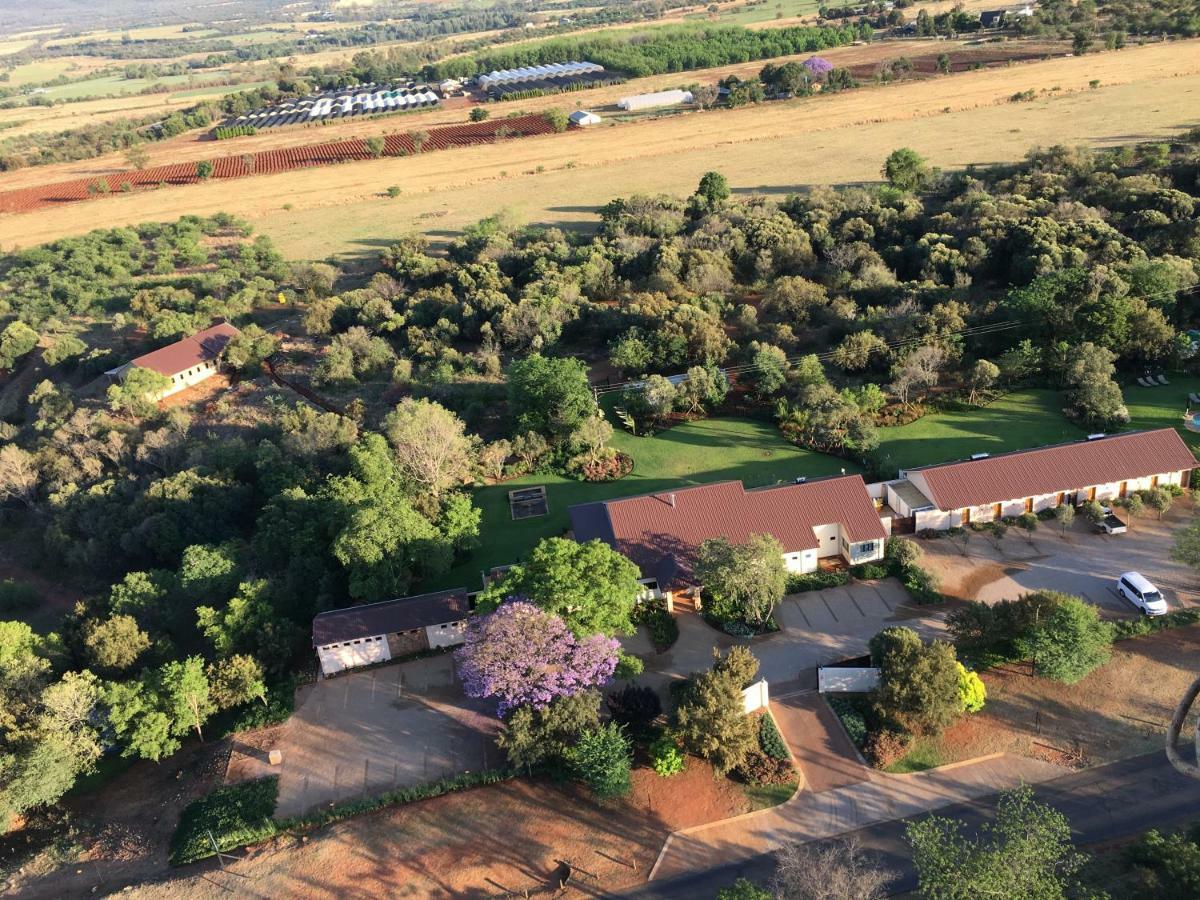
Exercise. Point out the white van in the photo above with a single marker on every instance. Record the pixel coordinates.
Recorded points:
(1135, 588)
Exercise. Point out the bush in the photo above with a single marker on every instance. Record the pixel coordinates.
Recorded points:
(903, 552)
(1130, 628)
(666, 757)
(887, 747)
(662, 626)
(601, 760)
(921, 584)
(852, 719)
(870, 572)
(770, 740)
(634, 706)
(16, 596)
(737, 629)
(628, 666)
(816, 581)
(971, 689)
(281, 703)
(1173, 864)
(758, 768)
(743, 889)
(235, 815)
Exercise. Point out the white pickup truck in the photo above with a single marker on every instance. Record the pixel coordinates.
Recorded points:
(1110, 524)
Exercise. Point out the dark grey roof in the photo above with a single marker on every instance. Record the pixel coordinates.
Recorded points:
(389, 616)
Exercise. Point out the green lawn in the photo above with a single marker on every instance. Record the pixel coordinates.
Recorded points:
(752, 451)
(926, 753)
(692, 453)
(1014, 422)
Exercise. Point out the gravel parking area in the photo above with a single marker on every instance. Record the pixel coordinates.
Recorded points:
(363, 733)
(977, 566)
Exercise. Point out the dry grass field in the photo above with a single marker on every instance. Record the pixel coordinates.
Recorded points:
(1145, 93)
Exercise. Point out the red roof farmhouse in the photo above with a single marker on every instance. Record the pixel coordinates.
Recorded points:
(187, 361)
(662, 532)
(986, 487)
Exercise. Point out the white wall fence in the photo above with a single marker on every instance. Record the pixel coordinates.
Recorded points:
(846, 680)
(755, 697)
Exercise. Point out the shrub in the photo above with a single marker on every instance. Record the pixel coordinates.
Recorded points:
(886, 747)
(921, 584)
(758, 768)
(1068, 643)
(601, 760)
(1173, 864)
(662, 626)
(851, 718)
(628, 666)
(666, 757)
(281, 703)
(971, 689)
(634, 706)
(737, 629)
(770, 740)
(816, 581)
(869, 572)
(16, 596)
(903, 552)
(235, 815)
(743, 889)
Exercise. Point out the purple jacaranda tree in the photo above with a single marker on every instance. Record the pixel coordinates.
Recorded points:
(818, 66)
(521, 655)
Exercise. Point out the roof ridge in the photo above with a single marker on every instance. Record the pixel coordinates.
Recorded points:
(449, 592)
(1079, 442)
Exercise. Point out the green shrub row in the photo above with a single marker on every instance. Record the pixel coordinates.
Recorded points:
(1131, 628)
(816, 581)
(224, 132)
(852, 719)
(870, 571)
(770, 741)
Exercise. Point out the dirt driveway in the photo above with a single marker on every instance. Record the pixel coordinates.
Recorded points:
(366, 732)
(1079, 562)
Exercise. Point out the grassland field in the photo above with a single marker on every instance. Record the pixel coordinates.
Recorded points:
(774, 148)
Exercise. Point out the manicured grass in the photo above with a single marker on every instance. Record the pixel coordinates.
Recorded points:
(688, 454)
(1163, 406)
(925, 754)
(763, 796)
(1016, 421)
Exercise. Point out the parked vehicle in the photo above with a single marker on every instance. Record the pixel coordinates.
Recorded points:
(1135, 588)
(1110, 524)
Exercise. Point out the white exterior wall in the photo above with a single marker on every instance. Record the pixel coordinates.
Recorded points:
(801, 562)
(450, 634)
(650, 589)
(829, 540)
(183, 380)
(756, 696)
(943, 519)
(348, 654)
(858, 553)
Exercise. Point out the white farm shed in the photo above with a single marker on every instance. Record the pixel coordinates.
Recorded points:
(659, 98)
(583, 118)
(376, 632)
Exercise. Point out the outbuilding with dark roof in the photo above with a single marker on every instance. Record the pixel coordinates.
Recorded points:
(376, 632)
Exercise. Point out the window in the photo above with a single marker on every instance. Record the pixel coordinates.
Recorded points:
(868, 547)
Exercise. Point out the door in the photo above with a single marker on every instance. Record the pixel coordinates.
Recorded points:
(966, 516)
(998, 511)
(1028, 504)
(1124, 489)
(1091, 494)
(1154, 482)
(1059, 498)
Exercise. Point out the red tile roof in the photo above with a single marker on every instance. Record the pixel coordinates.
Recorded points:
(662, 532)
(1064, 467)
(191, 351)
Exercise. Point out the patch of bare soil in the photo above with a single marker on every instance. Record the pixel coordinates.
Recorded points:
(513, 837)
(249, 754)
(124, 827)
(1120, 710)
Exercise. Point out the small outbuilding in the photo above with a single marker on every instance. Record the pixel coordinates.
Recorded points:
(650, 101)
(186, 362)
(582, 118)
(376, 632)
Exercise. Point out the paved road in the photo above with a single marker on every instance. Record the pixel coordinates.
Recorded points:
(1102, 804)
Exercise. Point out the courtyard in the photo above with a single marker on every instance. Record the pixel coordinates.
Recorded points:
(367, 732)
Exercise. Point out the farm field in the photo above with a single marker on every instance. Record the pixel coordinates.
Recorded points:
(47, 69)
(120, 85)
(692, 453)
(775, 148)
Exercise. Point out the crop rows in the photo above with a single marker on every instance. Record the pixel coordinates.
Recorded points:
(266, 162)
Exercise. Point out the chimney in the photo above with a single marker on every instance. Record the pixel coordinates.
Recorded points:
(671, 499)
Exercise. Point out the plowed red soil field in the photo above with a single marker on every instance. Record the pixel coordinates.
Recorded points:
(268, 162)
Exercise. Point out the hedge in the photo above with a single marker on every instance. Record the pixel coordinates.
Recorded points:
(770, 741)
(235, 815)
(1131, 628)
(816, 581)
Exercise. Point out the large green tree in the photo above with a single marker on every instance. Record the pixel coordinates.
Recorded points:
(1025, 854)
(711, 722)
(590, 586)
(1069, 642)
(918, 682)
(549, 395)
(742, 581)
